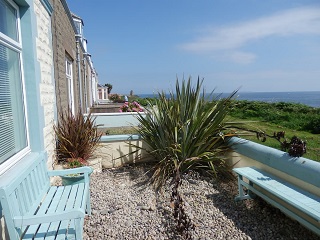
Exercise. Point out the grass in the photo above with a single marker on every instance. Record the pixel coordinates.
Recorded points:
(312, 140)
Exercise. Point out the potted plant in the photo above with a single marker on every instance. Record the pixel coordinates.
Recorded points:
(74, 178)
(77, 137)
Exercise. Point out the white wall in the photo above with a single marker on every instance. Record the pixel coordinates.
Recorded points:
(47, 89)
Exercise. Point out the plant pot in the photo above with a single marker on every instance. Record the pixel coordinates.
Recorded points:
(70, 179)
(73, 179)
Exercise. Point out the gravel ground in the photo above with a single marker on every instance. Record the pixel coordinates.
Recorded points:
(124, 206)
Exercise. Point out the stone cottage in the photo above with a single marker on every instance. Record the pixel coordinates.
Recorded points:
(44, 68)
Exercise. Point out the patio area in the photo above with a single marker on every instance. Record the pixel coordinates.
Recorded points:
(124, 206)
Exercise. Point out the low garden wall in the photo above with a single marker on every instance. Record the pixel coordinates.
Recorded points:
(125, 119)
(119, 150)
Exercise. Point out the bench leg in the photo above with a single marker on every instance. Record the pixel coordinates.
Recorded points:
(78, 222)
(251, 193)
(241, 195)
(88, 206)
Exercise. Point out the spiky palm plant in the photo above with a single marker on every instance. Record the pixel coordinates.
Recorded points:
(184, 131)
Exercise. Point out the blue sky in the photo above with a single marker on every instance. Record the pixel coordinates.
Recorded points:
(144, 45)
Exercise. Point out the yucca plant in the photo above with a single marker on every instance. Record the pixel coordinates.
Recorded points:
(184, 132)
(77, 136)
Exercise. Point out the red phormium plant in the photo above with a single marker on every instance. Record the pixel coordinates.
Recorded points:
(77, 136)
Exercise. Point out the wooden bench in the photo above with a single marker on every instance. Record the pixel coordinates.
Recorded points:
(289, 198)
(33, 209)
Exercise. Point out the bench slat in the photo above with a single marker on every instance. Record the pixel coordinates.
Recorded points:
(30, 189)
(65, 224)
(54, 226)
(27, 199)
(77, 202)
(35, 183)
(21, 200)
(295, 196)
(32, 230)
(50, 206)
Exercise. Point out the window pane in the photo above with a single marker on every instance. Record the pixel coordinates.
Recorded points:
(12, 120)
(8, 20)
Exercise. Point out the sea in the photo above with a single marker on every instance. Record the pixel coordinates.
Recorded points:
(311, 98)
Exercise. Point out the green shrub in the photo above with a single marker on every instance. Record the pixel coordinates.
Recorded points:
(182, 129)
(292, 115)
(146, 101)
(185, 132)
(116, 98)
(313, 125)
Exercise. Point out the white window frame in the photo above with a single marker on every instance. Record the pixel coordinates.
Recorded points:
(16, 46)
(70, 84)
(79, 26)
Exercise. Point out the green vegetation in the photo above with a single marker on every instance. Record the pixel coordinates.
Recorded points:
(109, 87)
(313, 140)
(183, 133)
(143, 101)
(185, 130)
(289, 115)
(292, 118)
(295, 119)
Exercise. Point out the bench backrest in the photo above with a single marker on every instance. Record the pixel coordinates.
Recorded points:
(22, 195)
(298, 167)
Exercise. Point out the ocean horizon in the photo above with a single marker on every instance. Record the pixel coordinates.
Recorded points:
(309, 98)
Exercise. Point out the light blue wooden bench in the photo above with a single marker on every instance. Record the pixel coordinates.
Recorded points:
(33, 209)
(282, 192)
(289, 198)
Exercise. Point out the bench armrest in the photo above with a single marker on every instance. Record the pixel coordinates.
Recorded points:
(49, 217)
(64, 172)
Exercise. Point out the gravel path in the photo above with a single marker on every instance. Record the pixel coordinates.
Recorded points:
(124, 206)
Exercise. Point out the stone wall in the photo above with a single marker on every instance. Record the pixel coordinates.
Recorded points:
(64, 44)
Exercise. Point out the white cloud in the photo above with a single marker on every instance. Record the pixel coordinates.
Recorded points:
(236, 56)
(304, 20)
(272, 80)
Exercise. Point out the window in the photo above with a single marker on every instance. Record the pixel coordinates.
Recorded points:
(69, 77)
(78, 25)
(13, 127)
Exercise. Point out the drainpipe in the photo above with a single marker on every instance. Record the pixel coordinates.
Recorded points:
(86, 54)
(78, 38)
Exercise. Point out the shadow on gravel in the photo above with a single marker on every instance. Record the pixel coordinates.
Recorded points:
(257, 218)
(141, 173)
(135, 171)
